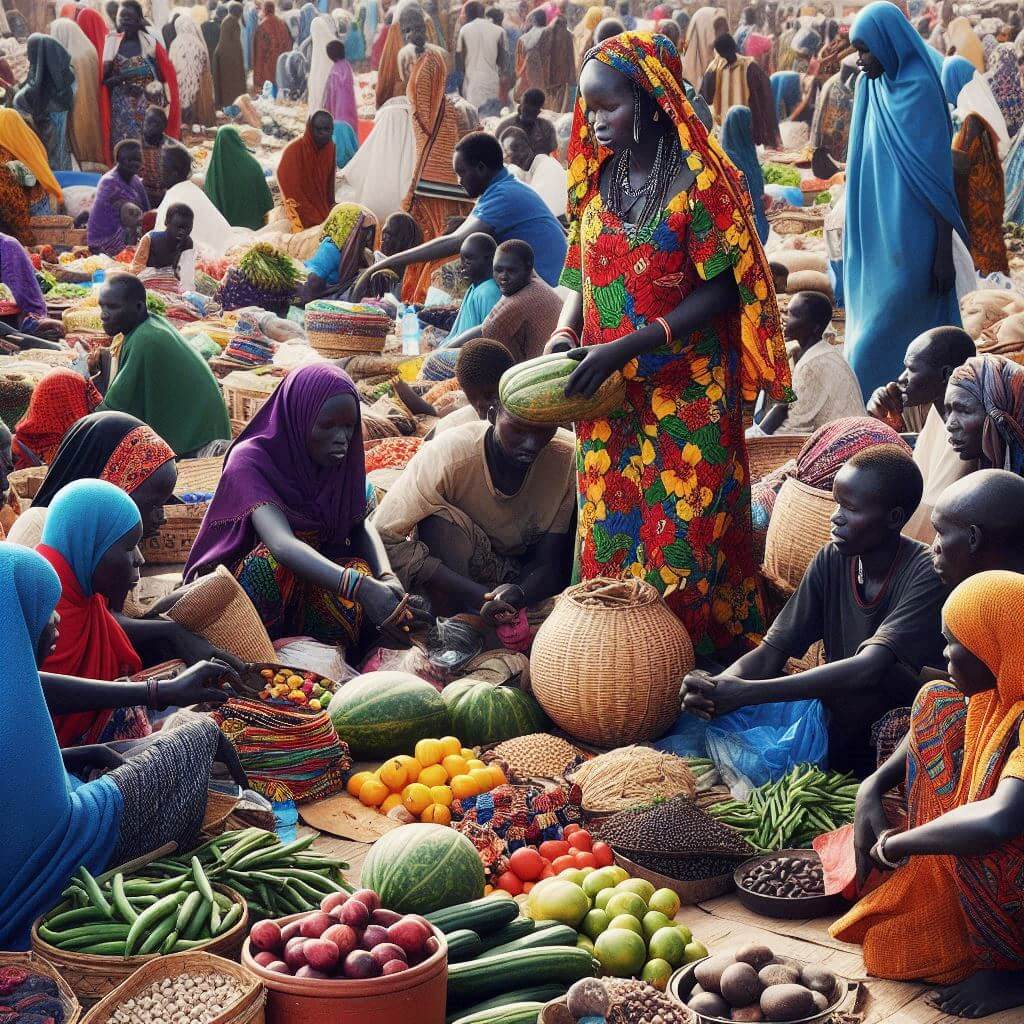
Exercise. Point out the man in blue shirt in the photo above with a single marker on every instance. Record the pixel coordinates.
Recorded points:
(505, 209)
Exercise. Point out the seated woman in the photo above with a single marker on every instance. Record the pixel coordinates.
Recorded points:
(91, 539)
(399, 233)
(289, 517)
(306, 171)
(119, 186)
(235, 181)
(985, 412)
(345, 250)
(27, 184)
(59, 401)
(31, 326)
(485, 509)
(955, 868)
(166, 259)
(153, 797)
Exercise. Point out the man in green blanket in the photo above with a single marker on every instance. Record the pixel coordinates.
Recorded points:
(159, 378)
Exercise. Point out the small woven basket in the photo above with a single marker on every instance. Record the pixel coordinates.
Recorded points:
(36, 964)
(800, 527)
(26, 482)
(789, 220)
(173, 541)
(92, 977)
(199, 476)
(766, 454)
(217, 608)
(607, 663)
(249, 1009)
(336, 329)
(245, 394)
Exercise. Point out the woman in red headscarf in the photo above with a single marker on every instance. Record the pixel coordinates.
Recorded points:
(59, 401)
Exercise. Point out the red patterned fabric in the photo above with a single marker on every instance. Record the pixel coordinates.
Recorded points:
(139, 455)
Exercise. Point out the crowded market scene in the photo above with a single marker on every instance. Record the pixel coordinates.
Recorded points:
(511, 511)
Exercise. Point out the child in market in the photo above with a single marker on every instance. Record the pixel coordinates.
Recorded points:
(169, 253)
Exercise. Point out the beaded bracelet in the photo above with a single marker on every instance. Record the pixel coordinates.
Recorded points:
(153, 687)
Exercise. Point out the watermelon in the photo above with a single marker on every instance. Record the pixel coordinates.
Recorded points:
(380, 714)
(417, 869)
(483, 713)
(534, 391)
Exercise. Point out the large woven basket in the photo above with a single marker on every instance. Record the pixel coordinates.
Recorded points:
(800, 527)
(173, 542)
(245, 393)
(337, 332)
(26, 482)
(608, 662)
(766, 454)
(92, 977)
(217, 608)
(249, 1009)
(34, 962)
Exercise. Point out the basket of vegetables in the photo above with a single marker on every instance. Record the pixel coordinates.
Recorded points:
(265, 277)
(31, 989)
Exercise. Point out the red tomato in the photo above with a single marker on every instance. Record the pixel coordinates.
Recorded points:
(581, 841)
(568, 830)
(553, 848)
(526, 863)
(527, 886)
(559, 864)
(603, 855)
(548, 872)
(584, 859)
(510, 882)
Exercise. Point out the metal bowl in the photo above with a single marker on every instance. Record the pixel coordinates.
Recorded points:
(682, 981)
(788, 908)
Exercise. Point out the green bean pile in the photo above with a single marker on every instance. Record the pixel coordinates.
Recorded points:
(789, 813)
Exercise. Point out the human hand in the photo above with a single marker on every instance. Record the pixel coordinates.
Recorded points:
(93, 757)
(708, 696)
(503, 604)
(191, 648)
(203, 683)
(228, 756)
(869, 822)
(597, 364)
(379, 601)
(886, 404)
(49, 330)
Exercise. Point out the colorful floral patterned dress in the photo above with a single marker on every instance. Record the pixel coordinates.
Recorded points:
(663, 482)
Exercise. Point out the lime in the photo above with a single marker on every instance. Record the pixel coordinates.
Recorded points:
(602, 898)
(594, 923)
(626, 903)
(640, 886)
(620, 874)
(598, 880)
(628, 922)
(621, 953)
(582, 942)
(694, 951)
(667, 944)
(666, 901)
(653, 921)
(574, 875)
(656, 972)
(685, 932)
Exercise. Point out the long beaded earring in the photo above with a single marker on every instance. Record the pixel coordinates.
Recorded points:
(636, 115)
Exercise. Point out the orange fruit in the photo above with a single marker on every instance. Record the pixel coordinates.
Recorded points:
(464, 786)
(355, 782)
(393, 801)
(467, 754)
(436, 814)
(373, 792)
(393, 774)
(450, 745)
(429, 752)
(412, 767)
(474, 762)
(497, 776)
(435, 775)
(483, 779)
(441, 795)
(455, 764)
(416, 798)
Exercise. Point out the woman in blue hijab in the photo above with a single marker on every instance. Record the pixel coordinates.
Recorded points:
(787, 92)
(738, 143)
(901, 207)
(346, 142)
(306, 17)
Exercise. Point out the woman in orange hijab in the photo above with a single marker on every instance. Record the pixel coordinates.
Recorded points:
(956, 869)
(306, 173)
(59, 401)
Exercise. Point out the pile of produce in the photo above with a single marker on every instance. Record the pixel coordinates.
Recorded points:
(615, 1000)
(348, 937)
(276, 879)
(754, 984)
(155, 304)
(628, 776)
(789, 877)
(690, 868)
(780, 174)
(60, 292)
(29, 997)
(794, 810)
(524, 867)
(426, 783)
(537, 755)
(197, 998)
(264, 276)
(136, 916)
(303, 688)
(483, 713)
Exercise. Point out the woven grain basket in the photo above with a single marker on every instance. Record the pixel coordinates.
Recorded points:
(249, 1009)
(245, 393)
(766, 454)
(173, 541)
(26, 482)
(92, 977)
(800, 527)
(217, 608)
(792, 221)
(199, 476)
(35, 963)
(608, 662)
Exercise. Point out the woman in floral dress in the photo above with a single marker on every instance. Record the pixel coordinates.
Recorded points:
(673, 289)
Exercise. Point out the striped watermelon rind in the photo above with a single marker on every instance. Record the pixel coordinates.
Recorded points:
(380, 714)
(417, 869)
(534, 391)
(483, 713)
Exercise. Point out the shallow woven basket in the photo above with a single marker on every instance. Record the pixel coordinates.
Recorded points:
(607, 663)
(766, 454)
(218, 609)
(800, 527)
(34, 962)
(789, 220)
(26, 482)
(92, 977)
(199, 476)
(249, 1009)
(245, 394)
(328, 335)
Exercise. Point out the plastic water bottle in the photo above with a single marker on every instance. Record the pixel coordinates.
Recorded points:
(410, 331)
(98, 280)
(268, 91)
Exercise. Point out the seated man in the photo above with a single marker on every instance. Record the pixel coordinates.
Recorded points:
(483, 513)
(826, 386)
(540, 132)
(874, 599)
(930, 361)
(543, 173)
(479, 367)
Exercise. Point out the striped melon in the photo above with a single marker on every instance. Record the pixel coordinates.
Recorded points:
(535, 391)
(384, 713)
(417, 869)
(483, 713)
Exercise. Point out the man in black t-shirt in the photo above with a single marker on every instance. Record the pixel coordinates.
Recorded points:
(872, 596)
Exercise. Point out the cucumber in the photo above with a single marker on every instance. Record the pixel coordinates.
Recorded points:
(513, 930)
(483, 916)
(512, 1013)
(463, 944)
(491, 975)
(541, 994)
(562, 935)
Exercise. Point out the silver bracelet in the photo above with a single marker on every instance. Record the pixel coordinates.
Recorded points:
(880, 849)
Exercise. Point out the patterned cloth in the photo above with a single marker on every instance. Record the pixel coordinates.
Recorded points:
(1004, 80)
(981, 195)
(833, 115)
(663, 481)
(128, 101)
(60, 399)
(997, 384)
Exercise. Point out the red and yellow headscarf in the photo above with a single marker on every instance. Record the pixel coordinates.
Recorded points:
(651, 63)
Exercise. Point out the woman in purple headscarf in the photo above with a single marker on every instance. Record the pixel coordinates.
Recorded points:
(289, 517)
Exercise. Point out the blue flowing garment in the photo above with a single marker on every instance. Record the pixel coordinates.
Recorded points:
(786, 91)
(899, 183)
(53, 823)
(738, 143)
